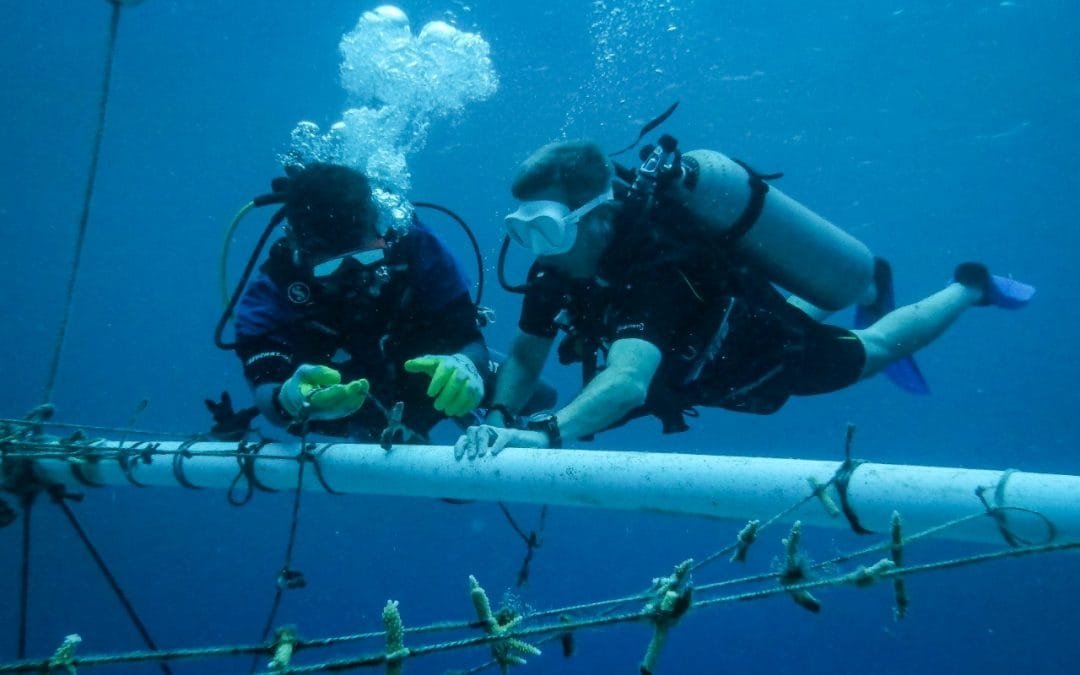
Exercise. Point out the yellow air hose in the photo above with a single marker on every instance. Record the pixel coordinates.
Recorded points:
(223, 264)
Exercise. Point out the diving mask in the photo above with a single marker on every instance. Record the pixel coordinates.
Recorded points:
(548, 227)
(366, 257)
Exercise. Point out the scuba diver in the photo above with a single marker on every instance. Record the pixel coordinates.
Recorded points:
(351, 328)
(662, 279)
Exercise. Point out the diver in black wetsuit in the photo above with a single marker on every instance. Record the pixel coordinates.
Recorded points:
(666, 315)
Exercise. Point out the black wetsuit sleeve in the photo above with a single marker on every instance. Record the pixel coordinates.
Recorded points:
(544, 299)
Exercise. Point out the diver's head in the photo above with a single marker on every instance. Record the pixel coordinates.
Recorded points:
(330, 210)
(334, 228)
(566, 209)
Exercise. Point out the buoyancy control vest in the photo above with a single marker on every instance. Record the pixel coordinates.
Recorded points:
(361, 316)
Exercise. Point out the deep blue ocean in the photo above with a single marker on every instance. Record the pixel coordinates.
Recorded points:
(935, 132)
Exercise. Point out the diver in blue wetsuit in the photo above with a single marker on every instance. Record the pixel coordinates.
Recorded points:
(661, 290)
(346, 318)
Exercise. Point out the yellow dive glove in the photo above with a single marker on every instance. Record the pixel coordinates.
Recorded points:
(316, 393)
(455, 385)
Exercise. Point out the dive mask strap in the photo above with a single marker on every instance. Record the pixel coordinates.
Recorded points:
(585, 209)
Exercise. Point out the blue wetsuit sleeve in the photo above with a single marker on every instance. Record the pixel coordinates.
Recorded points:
(440, 297)
(262, 335)
(261, 309)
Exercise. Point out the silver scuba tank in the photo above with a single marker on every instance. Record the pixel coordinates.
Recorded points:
(795, 247)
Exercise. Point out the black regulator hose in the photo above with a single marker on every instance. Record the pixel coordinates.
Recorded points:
(275, 220)
(472, 240)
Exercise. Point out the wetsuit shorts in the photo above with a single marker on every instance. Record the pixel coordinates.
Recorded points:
(833, 358)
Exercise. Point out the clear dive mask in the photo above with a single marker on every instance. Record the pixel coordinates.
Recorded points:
(548, 227)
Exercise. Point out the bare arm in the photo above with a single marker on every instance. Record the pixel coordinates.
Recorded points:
(620, 388)
(519, 374)
(617, 390)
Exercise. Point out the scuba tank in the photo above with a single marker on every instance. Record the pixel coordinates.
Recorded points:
(795, 247)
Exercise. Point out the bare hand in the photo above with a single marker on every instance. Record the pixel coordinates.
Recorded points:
(479, 440)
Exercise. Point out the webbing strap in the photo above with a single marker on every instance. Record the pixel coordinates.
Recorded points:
(758, 189)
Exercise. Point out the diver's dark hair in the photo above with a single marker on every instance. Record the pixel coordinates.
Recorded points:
(330, 206)
(579, 170)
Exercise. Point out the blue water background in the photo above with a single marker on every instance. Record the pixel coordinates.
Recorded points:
(935, 132)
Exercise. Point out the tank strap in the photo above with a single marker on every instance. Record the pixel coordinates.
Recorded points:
(758, 189)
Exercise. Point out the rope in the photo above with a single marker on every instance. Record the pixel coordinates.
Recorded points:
(41, 666)
(533, 540)
(855, 578)
(843, 478)
(184, 452)
(59, 495)
(144, 455)
(88, 452)
(88, 196)
(861, 577)
(289, 578)
(24, 575)
(85, 427)
(839, 481)
(306, 455)
(739, 543)
(245, 460)
(999, 513)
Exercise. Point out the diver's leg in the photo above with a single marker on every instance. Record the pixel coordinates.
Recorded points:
(902, 332)
(907, 329)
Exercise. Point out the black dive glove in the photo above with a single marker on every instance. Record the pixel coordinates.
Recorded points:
(230, 425)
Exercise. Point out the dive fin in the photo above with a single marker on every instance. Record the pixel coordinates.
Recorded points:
(998, 291)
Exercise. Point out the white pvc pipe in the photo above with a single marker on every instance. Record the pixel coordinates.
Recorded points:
(735, 488)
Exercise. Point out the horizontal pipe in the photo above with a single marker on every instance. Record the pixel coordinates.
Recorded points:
(715, 486)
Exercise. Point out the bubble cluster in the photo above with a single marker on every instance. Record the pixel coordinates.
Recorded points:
(398, 83)
(634, 44)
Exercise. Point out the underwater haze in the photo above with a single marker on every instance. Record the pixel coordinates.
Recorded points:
(935, 132)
